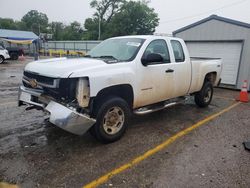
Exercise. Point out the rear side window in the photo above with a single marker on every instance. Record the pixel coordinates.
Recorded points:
(178, 51)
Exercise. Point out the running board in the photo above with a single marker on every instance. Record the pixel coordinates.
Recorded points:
(147, 109)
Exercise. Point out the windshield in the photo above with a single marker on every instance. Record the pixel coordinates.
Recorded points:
(120, 49)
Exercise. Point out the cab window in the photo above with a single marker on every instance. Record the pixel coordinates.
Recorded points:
(178, 51)
(158, 47)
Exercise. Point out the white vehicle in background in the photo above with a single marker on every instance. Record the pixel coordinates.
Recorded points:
(4, 54)
(120, 76)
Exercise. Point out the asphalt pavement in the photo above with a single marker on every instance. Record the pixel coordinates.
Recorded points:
(35, 153)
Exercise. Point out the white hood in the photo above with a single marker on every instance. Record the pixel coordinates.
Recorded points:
(62, 67)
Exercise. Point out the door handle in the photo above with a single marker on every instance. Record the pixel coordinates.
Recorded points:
(169, 71)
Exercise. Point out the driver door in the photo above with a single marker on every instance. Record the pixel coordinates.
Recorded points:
(157, 78)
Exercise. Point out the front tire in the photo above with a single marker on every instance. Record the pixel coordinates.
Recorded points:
(204, 97)
(111, 120)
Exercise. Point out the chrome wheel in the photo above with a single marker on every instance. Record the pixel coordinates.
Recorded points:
(208, 95)
(113, 120)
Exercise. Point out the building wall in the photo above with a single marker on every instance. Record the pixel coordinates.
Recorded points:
(215, 30)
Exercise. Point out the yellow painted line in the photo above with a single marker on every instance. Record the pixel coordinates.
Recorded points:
(227, 98)
(156, 149)
(7, 185)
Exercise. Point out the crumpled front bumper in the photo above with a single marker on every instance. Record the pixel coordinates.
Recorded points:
(60, 115)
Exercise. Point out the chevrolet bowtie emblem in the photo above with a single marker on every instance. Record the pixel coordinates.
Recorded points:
(33, 83)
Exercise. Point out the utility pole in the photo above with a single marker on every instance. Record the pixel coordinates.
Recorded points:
(99, 33)
(39, 29)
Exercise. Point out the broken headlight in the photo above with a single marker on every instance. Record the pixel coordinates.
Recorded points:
(83, 92)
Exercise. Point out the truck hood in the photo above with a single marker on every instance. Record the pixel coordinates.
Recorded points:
(63, 67)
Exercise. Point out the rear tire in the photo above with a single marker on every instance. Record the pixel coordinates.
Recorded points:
(204, 97)
(111, 120)
(1, 59)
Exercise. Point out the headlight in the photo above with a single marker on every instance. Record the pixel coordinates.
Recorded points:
(83, 92)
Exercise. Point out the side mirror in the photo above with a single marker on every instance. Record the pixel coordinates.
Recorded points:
(151, 58)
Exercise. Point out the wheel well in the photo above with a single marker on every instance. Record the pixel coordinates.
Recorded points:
(211, 77)
(125, 91)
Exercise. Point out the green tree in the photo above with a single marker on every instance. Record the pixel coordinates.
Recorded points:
(134, 18)
(91, 25)
(57, 30)
(120, 17)
(21, 25)
(36, 21)
(8, 23)
(105, 11)
(73, 32)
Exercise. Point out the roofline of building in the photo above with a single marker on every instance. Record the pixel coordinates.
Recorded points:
(31, 34)
(213, 17)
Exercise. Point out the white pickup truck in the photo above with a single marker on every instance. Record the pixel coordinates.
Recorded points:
(120, 76)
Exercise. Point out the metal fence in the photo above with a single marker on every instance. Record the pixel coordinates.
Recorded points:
(85, 46)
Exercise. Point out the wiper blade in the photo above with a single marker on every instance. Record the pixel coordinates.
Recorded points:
(106, 56)
(87, 56)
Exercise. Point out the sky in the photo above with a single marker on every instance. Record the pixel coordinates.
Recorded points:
(173, 14)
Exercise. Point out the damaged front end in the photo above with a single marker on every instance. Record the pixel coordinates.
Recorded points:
(66, 100)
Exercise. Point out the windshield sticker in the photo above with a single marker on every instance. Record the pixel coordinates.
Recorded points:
(137, 44)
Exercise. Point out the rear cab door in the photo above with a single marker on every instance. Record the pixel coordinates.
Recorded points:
(180, 63)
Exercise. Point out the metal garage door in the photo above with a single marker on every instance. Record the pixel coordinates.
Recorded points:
(229, 52)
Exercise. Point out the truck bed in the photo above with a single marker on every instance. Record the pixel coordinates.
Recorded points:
(211, 64)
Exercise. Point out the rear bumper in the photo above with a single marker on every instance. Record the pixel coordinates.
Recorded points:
(60, 115)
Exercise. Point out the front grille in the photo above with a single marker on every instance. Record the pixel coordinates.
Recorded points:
(39, 78)
(60, 89)
(66, 90)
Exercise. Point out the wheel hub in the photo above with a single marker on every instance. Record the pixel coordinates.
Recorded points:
(208, 95)
(113, 120)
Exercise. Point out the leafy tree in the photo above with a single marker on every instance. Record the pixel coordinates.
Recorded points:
(121, 17)
(134, 18)
(57, 30)
(36, 21)
(73, 32)
(8, 23)
(105, 11)
(20, 25)
(91, 24)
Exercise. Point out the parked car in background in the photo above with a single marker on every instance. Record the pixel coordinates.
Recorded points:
(4, 54)
(15, 52)
(120, 76)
